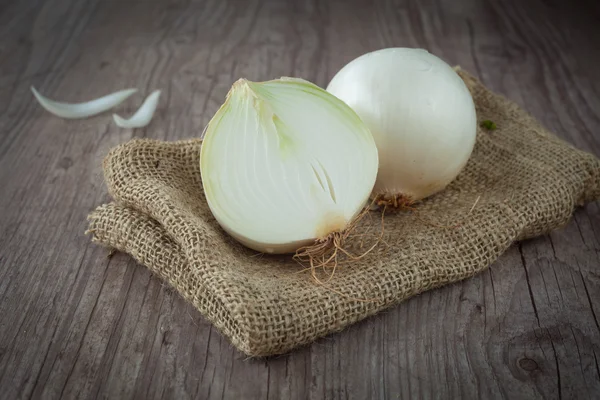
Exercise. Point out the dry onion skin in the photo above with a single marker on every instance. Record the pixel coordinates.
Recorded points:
(421, 115)
(84, 109)
(284, 164)
(142, 116)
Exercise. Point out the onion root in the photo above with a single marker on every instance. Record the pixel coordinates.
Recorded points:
(331, 251)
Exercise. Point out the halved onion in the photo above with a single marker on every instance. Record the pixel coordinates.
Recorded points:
(284, 163)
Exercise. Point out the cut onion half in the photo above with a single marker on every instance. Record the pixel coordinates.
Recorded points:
(285, 165)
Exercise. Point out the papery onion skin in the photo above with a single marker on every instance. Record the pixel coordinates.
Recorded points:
(84, 109)
(142, 116)
(420, 113)
(285, 163)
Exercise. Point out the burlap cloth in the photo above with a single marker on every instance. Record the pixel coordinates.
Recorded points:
(521, 181)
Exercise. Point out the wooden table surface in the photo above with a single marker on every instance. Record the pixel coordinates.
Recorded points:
(76, 324)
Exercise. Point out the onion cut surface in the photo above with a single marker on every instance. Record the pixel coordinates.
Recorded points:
(285, 163)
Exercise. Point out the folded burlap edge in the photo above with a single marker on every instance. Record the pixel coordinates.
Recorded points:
(134, 225)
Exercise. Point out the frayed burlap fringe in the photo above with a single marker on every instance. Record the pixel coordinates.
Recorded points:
(521, 181)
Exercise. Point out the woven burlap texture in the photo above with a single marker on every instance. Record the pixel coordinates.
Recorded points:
(521, 181)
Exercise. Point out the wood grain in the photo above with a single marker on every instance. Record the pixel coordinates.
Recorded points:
(76, 324)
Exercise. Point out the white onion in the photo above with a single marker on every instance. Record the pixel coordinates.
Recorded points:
(285, 163)
(420, 113)
(85, 109)
(143, 115)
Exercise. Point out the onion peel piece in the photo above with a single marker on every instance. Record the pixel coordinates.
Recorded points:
(143, 115)
(84, 109)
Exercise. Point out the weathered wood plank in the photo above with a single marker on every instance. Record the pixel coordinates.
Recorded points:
(74, 323)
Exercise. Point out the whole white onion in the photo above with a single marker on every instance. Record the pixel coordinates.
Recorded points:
(420, 113)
